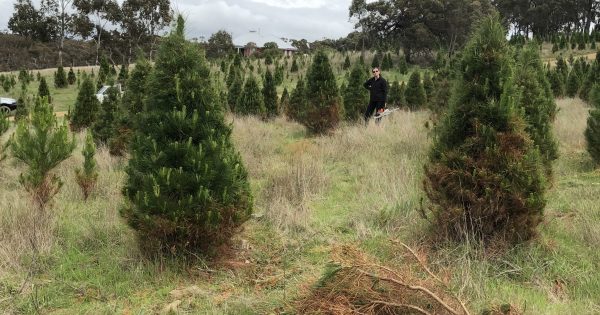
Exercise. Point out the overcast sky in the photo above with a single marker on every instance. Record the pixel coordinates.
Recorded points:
(297, 19)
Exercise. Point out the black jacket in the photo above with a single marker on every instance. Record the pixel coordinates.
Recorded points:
(378, 89)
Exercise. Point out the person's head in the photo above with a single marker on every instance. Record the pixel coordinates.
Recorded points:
(376, 72)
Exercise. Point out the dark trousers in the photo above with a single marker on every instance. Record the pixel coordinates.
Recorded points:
(373, 105)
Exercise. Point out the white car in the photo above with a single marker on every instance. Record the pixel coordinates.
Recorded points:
(7, 105)
(103, 92)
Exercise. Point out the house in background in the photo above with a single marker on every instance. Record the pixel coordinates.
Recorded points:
(254, 41)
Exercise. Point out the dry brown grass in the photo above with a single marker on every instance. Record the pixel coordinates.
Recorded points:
(570, 124)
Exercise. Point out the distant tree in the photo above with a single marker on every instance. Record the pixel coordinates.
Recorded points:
(356, 97)
(324, 109)
(428, 85)
(556, 83)
(250, 101)
(30, 22)
(219, 45)
(572, 84)
(102, 13)
(123, 74)
(235, 90)
(104, 126)
(294, 67)
(284, 102)
(141, 21)
(347, 64)
(403, 65)
(104, 73)
(416, 96)
(135, 91)
(298, 101)
(86, 106)
(88, 176)
(41, 145)
(592, 131)
(43, 90)
(60, 78)
(269, 93)
(71, 77)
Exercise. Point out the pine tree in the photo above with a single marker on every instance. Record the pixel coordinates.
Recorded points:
(42, 146)
(123, 74)
(104, 72)
(278, 77)
(294, 67)
(403, 65)
(88, 176)
(325, 108)
(591, 78)
(356, 97)
(269, 93)
(235, 90)
(415, 92)
(556, 83)
(135, 90)
(186, 187)
(572, 84)
(71, 78)
(284, 102)
(562, 68)
(538, 103)
(44, 91)
(484, 177)
(393, 95)
(428, 86)
(376, 62)
(60, 78)
(86, 106)
(24, 102)
(387, 63)
(347, 64)
(298, 102)
(592, 131)
(251, 101)
(104, 127)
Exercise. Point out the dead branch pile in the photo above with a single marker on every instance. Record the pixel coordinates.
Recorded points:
(354, 283)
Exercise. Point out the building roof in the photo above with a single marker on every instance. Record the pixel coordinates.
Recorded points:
(260, 39)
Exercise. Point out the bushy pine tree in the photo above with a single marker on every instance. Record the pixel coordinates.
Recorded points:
(250, 101)
(415, 92)
(41, 145)
(269, 93)
(592, 131)
(294, 67)
(284, 102)
(393, 95)
(562, 68)
(387, 63)
(135, 91)
(298, 102)
(86, 106)
(71, 78)
(186, 187)
(346, 64)
(538, 103)
(235, 90)
(60, 78)
(591, 78)
(403, 65)
(428, 86)
(104, 126)
(88, 176)
(572, 84)
(484, 177)
(123, 74)
(376, 62)
(556, 83)
(104, 72)
(356, 97)
(44, 91)
(24, 102)
(324, 105)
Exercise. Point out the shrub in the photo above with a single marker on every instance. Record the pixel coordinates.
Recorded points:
(485, 178)
(60, 78)
(251, 100)
(186, 188)
(415, 92)
(104, 127)
(356, 97)
(71, 77)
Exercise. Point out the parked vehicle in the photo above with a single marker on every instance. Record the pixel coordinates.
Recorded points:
(103, 92)
(7, 105)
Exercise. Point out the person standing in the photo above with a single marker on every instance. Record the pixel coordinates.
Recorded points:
(378, 88)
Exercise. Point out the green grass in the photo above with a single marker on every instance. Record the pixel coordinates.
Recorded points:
(359, 186)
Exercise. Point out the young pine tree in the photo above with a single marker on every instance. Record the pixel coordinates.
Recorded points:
(572, 84)
(186, 187)
(294, 67)
(284, 102)
(591, 78)
(251, 101)
(356, 97)
(298, 102)
(24, 102)
(403, 65)
(484, 177)
(556, 83)
(104, 127)
(41, 145)
(104, 72)
(123, 74)
(416, 96)
(538, 103)
(86, 106)
(71, 77)
(346, 64)
(44, 91)
(592, 131)
(60, 78)
(88, 176)
(235, 90)
(269, 93)
(325, 108)
(135, 90)
(428, 86)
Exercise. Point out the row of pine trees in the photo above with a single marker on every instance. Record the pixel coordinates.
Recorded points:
(187, 189)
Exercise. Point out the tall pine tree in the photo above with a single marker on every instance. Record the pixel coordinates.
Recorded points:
(416, 96)
(269, 93)
(356, 97)
(186, 187)
(86, 106)
(250, 101)
(484, 177)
